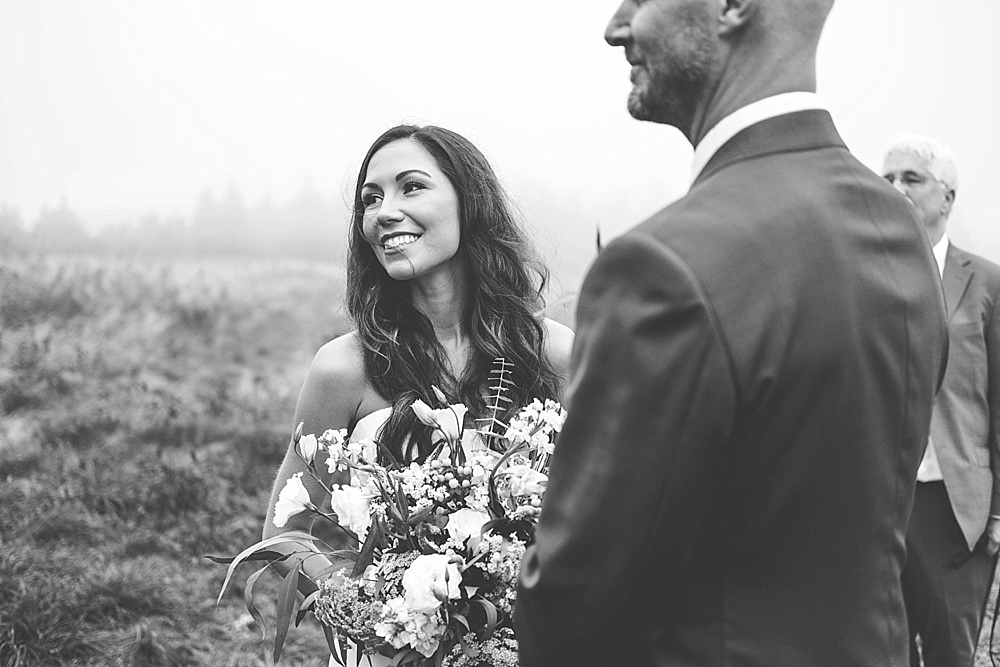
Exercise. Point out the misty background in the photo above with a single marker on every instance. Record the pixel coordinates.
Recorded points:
(237, 127)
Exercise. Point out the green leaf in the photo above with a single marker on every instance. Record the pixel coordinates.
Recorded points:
(495, 506)
(299, 537)
(258, 618)
(393, 510)
(404, 656)
(389, 456)
(304, 607)
(257, 555)
(375, 534)
(335, 565)
(288, 599)
(463, 621)
(331, 641)
(404, 507)
(419, 515)
(491, 615)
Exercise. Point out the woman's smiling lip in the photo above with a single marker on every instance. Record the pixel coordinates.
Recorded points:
(397, 240)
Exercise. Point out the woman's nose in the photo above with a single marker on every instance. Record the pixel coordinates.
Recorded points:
(388, 211)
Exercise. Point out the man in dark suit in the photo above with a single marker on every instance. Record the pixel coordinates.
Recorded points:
(752, 378)
(954, 531)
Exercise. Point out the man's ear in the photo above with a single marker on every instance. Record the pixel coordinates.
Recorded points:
(735, 14)
(949, 202)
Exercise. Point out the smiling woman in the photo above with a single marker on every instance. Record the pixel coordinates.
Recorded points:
(411, 216)
(441, 282)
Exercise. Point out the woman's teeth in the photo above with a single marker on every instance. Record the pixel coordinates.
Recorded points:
(396, 241)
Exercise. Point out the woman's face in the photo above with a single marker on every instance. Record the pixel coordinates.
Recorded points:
(411, 217)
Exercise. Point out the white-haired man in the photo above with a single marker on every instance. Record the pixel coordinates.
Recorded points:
(954, 531)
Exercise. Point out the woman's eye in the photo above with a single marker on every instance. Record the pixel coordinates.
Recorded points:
(370, 198)
(412, 186)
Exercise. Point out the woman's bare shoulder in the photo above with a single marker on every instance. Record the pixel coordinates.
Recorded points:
(558, 346)
(340, 361)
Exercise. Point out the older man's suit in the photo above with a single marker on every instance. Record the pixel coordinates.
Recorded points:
(750, 398)
(948, 572)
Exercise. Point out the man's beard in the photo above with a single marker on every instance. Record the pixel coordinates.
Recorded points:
(675, 85)
(666, 100)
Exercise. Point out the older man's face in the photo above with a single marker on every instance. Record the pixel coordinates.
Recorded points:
(671, 45)
(910, 174)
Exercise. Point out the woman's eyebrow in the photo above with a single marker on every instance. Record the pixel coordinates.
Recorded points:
(403, 174)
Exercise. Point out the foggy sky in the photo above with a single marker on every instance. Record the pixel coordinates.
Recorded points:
(122, 108)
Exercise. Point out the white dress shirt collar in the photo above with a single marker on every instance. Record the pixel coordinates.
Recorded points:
(744, 117)
(941, 253)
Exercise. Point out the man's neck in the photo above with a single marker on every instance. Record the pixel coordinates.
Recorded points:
(740, 86)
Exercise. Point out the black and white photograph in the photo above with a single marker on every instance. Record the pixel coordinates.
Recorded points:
(652, 333)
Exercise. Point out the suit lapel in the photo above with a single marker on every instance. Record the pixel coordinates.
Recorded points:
(957, 274)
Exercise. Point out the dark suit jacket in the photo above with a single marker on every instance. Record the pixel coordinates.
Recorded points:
(750, 398)
(965, 426)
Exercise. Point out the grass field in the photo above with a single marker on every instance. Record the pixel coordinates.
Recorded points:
(144, 408)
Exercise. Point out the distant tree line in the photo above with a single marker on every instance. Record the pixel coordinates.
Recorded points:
(307, 227)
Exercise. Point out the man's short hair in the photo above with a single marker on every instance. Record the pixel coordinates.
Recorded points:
(940, 160)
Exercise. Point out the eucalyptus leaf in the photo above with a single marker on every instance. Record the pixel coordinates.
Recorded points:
(367, 555)
(294, 537)
(288, 603)
(257, 555)
(258, 618)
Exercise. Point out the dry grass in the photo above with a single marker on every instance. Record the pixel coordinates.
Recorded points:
(143, 411)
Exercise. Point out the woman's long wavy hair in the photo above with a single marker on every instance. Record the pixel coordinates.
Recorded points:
(402, 356)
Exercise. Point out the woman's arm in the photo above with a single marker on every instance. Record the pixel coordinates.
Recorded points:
(330, 399)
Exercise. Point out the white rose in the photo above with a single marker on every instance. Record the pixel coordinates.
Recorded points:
(293, 499)
(429, 581)
(352, 506)
(466, 523)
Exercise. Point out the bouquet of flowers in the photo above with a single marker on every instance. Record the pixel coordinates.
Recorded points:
(441, 541)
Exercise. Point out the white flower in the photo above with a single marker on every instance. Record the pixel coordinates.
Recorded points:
(333, 442)
(369, 450)
(424, 413)
(353, 450)
(466, 523)
(526, 481)
(448, 420)
(401, 627)
(353, 508)
(307, 447)
(293, 499)
(429, 581)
